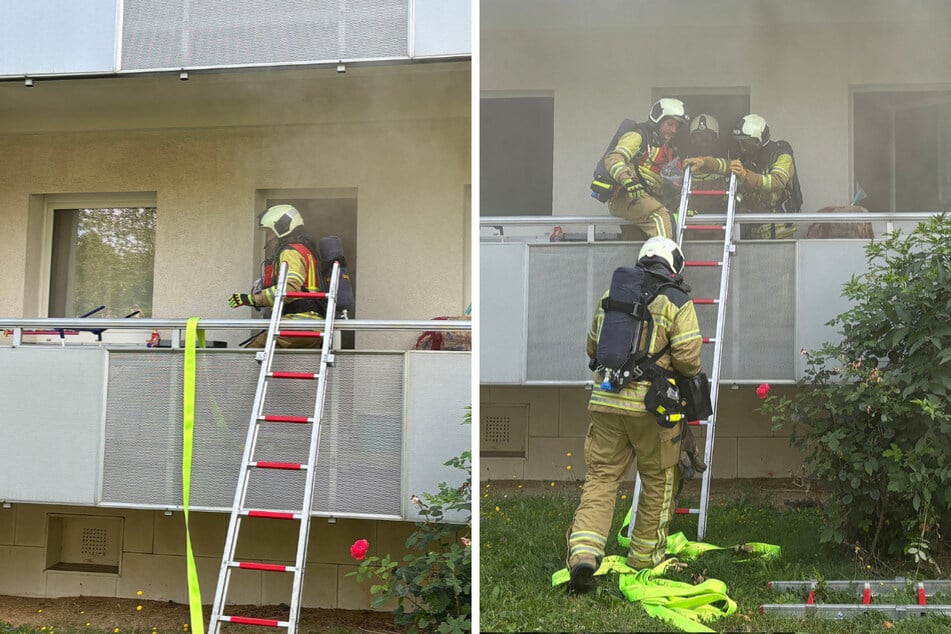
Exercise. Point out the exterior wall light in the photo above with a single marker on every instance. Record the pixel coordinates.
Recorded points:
(341, 67)
(28, 82)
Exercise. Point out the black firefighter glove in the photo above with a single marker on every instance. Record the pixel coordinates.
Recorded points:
(634, 190)
(238, 300)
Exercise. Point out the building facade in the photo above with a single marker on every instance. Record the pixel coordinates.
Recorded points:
(140, 142)
(860, 91)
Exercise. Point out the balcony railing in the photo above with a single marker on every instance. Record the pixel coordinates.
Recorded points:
(538, 296)
(101, 425)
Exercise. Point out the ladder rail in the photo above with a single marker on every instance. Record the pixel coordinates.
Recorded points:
(728, 250)
(684, 204)
(224, 575)
(326, 359)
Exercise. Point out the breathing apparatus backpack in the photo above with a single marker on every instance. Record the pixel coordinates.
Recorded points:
(331, 250)
(623, 344)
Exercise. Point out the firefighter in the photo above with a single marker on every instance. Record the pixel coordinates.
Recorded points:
(704, 141)
(636, 163)
(622, 428)
(766, 176)
(286, 242)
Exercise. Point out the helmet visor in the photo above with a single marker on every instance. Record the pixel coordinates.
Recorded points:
(745, 145)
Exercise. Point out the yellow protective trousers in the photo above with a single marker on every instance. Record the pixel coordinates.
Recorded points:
(648, 214)
(612, 444)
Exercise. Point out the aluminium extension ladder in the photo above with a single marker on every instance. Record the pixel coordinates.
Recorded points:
(864, 589)
(729, 249)
(239, 511)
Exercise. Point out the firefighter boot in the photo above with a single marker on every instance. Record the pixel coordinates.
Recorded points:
(582, 577)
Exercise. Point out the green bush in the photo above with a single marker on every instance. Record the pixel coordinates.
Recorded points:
(433, 584)
(872, 413)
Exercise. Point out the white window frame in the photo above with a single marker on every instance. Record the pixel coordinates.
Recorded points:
(55, 202)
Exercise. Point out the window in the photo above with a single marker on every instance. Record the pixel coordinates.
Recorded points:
(326, 212)
(100, 255)
(516, 155)
(900, 149)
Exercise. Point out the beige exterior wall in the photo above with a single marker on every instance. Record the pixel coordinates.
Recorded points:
(397, 138)
(745, 445)
(153, 557)
(209, 150)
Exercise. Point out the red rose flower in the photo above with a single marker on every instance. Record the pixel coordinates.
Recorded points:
(359, 549)
(763, 390)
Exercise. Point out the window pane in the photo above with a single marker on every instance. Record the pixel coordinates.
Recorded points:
(517, 154)
(102, 257)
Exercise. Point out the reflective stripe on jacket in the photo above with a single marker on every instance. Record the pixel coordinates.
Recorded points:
(301, 274)
(620, 162)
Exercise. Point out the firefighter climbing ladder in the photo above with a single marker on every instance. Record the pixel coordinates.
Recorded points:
(239, 511)
(729, 249)
(864, 589)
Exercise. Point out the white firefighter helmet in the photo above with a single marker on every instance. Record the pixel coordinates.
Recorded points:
(281, 219)
(705, 121)
(754, 127)
(669, 107)
(664, 248)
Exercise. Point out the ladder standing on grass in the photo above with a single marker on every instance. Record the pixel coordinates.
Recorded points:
(729, 249)
(248, 462)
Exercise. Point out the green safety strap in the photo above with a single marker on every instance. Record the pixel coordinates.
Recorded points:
(686, 550)
(188, 432)
(683, 605)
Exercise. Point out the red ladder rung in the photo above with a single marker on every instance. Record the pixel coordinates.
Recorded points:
(293, 375)
(708, 339)
(248, 620)
(305, 295)
(699, 423)
(705, 300)
(685, 511)
(274, 418)
(811, 598)
(867, 594)
(689, 227)
(307, 334)
(921, 594)
(708, 192)
(274, 515)
(702, 263)
(250, 565)
(291, 466)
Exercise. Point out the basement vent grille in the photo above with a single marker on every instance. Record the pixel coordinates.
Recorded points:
(503, 430)
(498, 430)
(94, 542)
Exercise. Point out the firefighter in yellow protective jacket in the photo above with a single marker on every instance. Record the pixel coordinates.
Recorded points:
(636, 163)
(705, 141)
(286, 242)
(766, 176)
(622, 429)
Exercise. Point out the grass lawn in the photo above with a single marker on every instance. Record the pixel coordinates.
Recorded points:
(522, 537)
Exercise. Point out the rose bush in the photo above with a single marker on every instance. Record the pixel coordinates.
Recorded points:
(872, 414)
(433, 584)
